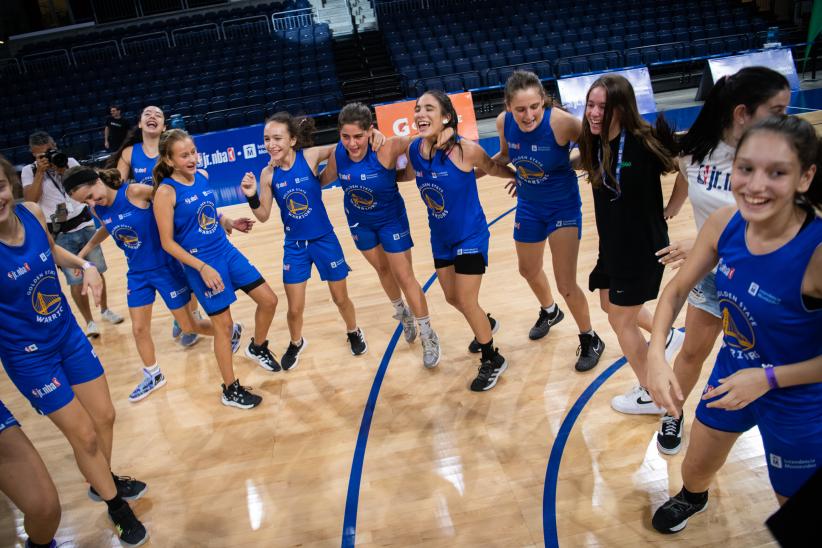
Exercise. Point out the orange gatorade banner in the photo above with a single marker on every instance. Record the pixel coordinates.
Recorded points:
(398, 118)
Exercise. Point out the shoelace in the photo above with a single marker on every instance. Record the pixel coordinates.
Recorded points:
(679, 505)
(485, 369)
(670, 426)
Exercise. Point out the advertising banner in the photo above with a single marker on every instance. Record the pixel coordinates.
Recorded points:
(572, 91)
(778, 59)
(398, 118)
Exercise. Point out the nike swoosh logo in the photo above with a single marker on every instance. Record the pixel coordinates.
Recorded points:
(640, 401)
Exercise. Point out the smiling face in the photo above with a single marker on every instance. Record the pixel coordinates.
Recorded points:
(94, 194)
(152, 121)
(183, 158)
(355, 140)
(595, 109)
(278, 141)
(428, 116)
(528, 107)
(767, 175)
(6, 196)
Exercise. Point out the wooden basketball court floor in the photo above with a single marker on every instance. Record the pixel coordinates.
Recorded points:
(377, 451)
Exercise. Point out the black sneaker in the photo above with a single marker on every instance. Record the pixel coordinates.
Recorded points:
(292, 355)
(129, 529)
(239, 396)
(474, 347)
(545, 322)
(357, 342)
(489, 371)
(262, 355)
(672, 516)
(128, 488)
(669, 437)
(590, 349)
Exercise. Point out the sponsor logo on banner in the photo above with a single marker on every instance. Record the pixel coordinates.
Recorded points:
(397, 119)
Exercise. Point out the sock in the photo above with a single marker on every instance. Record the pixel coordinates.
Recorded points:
(487, 349)
(550, 309)
(694, 498)
(299, 343)
(115, 504)
(356, 329)
(589, 332)
(153, 370)
(399, 306)
(32, 544)
(425, 326)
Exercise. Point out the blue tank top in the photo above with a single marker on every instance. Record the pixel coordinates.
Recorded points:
(33, 310)
(371, 191)
(134, 230)
(197, 227)
(764, 320)
(450, 194)
(141, 165)
(543, 167)
(299, 194)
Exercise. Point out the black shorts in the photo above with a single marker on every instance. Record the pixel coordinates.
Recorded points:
(629, 291)
(471, 263)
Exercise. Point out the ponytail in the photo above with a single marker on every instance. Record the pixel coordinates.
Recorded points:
(110, 177)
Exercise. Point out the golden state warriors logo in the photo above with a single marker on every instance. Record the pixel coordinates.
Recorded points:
(296, 202)
(127, 236)
(207, 217)
(45, 297)
(361, 198)
(529, 170)
(434, 200)
(739, 333)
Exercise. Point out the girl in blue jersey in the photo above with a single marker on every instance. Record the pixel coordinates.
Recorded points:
(194, 233)
(459, 231)
(291, 179)
(49, 359)
(125, 211)
(535, 136)
(377, 219)
(768, 372)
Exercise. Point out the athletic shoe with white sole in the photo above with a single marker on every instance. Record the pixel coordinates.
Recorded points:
(149, 384)
(236, 395)
(262, 355)
(430, 350)
(111, 316)
(669, 437)
(489, 372)
(637, 401)
(673, 516)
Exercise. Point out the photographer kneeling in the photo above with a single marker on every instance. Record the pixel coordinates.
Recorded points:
(69, 221)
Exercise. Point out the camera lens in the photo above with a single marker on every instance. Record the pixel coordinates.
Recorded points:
(58, 158)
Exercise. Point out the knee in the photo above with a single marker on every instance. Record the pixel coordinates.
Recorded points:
(692, 353)
(141, 330)
(566, 287)
(340, 299)
(451, 298)
(105, 417)
(85, 440)
(383, 270)
(45, 508)
(269, 303)
(295, 311)
(528, 271)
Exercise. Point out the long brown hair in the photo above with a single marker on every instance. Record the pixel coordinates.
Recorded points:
(300, 128)
(620, 98)
(521, 80)
(167, 140)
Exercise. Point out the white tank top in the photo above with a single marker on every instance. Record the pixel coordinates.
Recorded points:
(709, 181)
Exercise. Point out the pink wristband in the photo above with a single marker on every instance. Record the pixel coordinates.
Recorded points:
(771, 376)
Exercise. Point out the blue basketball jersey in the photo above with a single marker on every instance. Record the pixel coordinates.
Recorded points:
(134, 230)
(197, 227)
(543, 167)
(454, 209)
(371, 191)
(141, 165)
(299, 194)
(764, 320)
(33, 310)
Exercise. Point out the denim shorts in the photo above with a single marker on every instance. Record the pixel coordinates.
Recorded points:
(74, 242)
(703, 295)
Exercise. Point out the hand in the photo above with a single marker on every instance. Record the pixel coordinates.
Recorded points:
(212, 279)
(92, 280)
(443, 138)
(243, 224)
(511, 187)
(674, 255)
(249, 184)
(377, 139)
(661, 383)
(42, 164)
(740, 389)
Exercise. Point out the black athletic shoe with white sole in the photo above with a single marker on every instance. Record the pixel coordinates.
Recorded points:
(236, 395)
(262, 355)
(490, 370)
(127, 487)
(474, 347)
(590, 349)
(357, 342)
(292, 354)
(669, 437)
(673, 516)
(132, 533)
(545, 322)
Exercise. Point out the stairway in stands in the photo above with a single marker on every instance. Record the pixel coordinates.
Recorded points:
(364, 68)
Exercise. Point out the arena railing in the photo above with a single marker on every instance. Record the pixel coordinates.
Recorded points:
(401, 6)
(209, 31)
(140, 41)
(10, 62)
(95, 52)
(293, 19)
(230, 25)
(46, 59)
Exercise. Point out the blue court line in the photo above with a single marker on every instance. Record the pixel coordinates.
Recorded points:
(349, 532)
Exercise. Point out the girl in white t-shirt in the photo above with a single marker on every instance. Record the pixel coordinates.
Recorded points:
(735, 103)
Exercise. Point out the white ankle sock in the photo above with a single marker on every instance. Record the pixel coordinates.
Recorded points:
(550, 309)
(399, 306)
(425, 326)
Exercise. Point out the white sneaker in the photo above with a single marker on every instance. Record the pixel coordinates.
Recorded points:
(636, 401)
(92, 332)
(673, 343)
(111, 316)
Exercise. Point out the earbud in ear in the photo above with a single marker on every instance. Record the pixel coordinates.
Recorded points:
(445, 120)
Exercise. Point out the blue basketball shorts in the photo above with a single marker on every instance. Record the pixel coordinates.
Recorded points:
(46, 378)
(7, 420)
(236, 272)
(169, 281)
(394, 235)
(446, 253)
(534, 221)
(793, 444)
(324, 252)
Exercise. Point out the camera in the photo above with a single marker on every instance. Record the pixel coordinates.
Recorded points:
(59, 217)
(56, 157)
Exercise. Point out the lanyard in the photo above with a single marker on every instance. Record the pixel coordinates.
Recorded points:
(618, 189)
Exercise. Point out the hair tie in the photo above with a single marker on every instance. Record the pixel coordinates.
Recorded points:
(79, 177)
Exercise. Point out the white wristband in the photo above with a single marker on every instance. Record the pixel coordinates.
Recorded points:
(86, 265)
